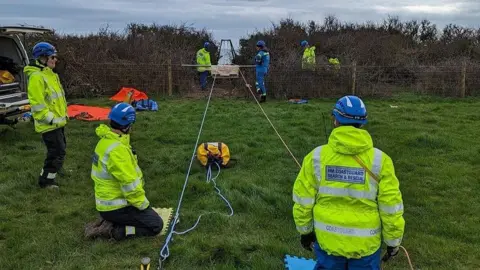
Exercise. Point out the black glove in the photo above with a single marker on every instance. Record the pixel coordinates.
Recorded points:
(307, 240)
(391, 252)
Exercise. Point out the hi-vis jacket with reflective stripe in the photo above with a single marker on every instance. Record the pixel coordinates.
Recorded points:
(349, 210)
(47, 98)
(203, 58)
(308, 60)
(118, 179)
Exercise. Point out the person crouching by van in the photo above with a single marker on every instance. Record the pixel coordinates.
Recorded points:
(49, 110)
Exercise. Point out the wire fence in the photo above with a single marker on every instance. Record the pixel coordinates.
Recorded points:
(99, 79)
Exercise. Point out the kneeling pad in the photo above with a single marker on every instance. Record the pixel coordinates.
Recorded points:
(166, 215)
(296, 263)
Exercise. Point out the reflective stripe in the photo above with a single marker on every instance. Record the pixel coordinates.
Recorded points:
(317, 165)
(347, 231)
(117, 202)
(304, 201)
(373, 187)
(144, 204)
(391, 209)
(57, 120)
(394, 242)
(131, 186)
(49, 175)
(376, 166)
(38, 107)
(304, 229)
(102, 174)
(377, 161)
(129, 230)
(106, 155)
(49, 117)
(358, 194)
(55, 95)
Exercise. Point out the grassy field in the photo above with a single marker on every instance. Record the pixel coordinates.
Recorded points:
(433, 143)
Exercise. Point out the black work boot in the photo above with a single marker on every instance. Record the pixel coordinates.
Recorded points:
(43, 182)
(263, 98)
(99, 229)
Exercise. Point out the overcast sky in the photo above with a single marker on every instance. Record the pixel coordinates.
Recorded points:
(231, 19)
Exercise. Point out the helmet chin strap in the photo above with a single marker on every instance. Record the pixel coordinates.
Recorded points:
(41, 60)
(126, 130)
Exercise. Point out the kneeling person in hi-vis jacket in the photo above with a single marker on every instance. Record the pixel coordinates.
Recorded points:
(119, 195)
(347, 197)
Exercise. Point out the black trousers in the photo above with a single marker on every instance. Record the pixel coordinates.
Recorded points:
(146, 222)
(56, 150)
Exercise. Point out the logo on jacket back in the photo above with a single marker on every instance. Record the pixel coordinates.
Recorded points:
(345, 174)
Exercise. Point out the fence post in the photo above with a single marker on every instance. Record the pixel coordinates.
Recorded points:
(170, 79)
(354, 76)
(463, 83)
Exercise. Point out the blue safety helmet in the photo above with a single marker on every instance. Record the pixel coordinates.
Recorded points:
(123, 114)
(43, 49)
(303, 43)
(206, 44)
(261, 43)
(350, 110)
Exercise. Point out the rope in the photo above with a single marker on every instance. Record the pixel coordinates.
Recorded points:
(165, 252)
(209, 178)
(286, 146)
(408, 258)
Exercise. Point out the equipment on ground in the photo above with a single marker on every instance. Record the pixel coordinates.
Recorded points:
(145, 263)
(213, 152)
(298, 263)
(166, 216)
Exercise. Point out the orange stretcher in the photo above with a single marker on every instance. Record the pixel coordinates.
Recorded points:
(87, 113)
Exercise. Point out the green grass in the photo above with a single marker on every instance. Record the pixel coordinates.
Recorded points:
(433, 143)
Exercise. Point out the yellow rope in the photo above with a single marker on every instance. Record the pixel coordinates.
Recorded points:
(286, 146)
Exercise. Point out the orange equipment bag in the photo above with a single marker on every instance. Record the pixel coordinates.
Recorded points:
(6, 77)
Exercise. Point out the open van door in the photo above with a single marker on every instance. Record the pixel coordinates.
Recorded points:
(13, 96)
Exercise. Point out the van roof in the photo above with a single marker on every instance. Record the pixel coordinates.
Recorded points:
(23, 30)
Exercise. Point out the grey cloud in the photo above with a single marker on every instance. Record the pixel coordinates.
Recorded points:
(225, 18)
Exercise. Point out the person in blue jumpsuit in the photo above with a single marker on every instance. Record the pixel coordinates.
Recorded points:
(262, 62)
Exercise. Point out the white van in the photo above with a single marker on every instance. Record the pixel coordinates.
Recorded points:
(13, 57)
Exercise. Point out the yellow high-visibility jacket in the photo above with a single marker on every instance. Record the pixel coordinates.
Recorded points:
(203, 58)
(118, 178)
(335, 62)
(308, 60)
(335, 196)
(46, 97)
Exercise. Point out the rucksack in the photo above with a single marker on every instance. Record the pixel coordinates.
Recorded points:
(213, 152)
(145, 105)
